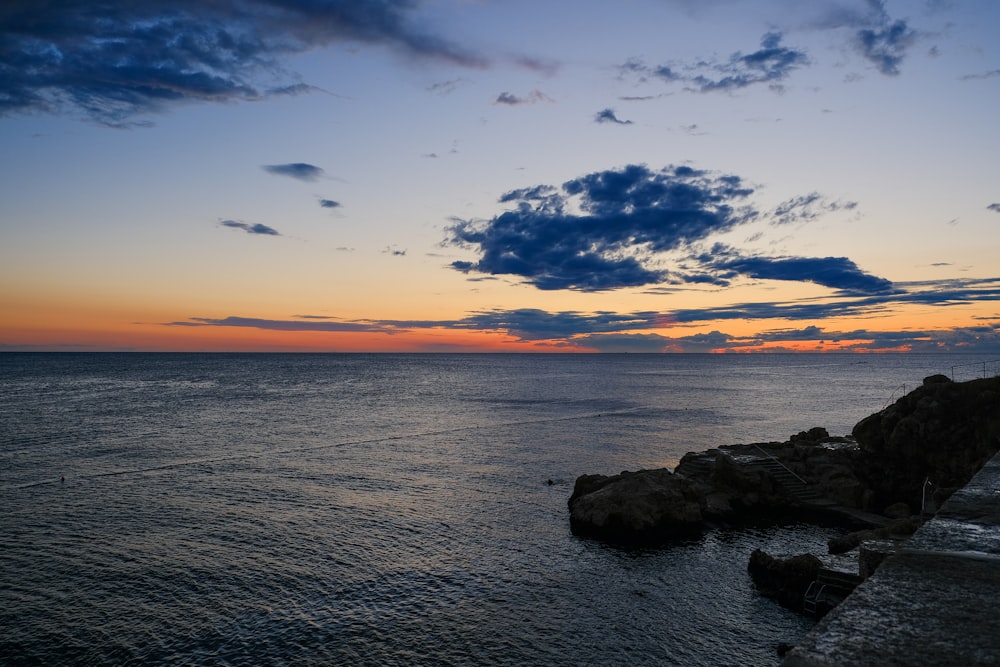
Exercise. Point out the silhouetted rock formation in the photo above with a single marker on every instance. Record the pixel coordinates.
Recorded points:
(942, 431)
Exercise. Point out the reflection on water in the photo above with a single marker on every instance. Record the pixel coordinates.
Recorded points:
(381, 510)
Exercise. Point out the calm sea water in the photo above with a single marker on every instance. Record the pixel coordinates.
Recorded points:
(388, 509)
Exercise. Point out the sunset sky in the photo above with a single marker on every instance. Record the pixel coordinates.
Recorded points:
(500, 175)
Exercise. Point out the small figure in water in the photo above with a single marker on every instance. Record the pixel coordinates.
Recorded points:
(62, 479)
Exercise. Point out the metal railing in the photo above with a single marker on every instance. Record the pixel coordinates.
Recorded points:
(778, 461)
(892, 397)
(989, 368)
(984, 369)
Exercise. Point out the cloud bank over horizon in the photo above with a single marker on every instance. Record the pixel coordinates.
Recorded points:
(630, 332)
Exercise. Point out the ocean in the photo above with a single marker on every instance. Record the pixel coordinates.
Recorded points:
(328, 509)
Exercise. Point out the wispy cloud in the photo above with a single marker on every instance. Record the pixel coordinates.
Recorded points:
(447, 87)
(985, 75)
(875, 35)
(807, 208)
(394, 251)
(612, 229)
(116, 61)
(305, 324)
(298, 170)
(329, 203)
(510, 99)
(771, 64)
(608, 116)
(994, 207)
(257, 228)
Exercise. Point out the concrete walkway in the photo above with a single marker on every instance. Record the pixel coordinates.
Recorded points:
(933, 603)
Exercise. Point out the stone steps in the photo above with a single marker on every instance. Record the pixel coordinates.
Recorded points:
(796, 488)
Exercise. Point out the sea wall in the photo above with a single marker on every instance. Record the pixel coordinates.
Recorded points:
(932, 603)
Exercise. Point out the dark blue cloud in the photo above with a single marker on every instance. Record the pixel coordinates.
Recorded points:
(599, 231)
(297, 170)
(329, 203)
(848, 304)
(257, 228)
(771, 64)
(994, 207)
(609, 229)
(608, 116)
(114, 61)
(838, 273)
(886, 46)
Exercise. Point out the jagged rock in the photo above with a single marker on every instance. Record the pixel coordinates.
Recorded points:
(645, 507)
(783, 579)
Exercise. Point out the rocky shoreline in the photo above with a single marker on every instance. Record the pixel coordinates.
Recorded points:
(897, 466)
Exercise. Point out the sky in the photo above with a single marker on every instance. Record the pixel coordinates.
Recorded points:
(500, 175)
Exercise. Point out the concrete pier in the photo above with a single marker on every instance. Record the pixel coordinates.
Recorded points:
(936, 601)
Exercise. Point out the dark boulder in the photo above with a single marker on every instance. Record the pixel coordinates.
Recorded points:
(635, 508)
(785, 580)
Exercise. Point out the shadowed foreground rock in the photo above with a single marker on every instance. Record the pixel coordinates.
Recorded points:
(783, 579)
(932, 603)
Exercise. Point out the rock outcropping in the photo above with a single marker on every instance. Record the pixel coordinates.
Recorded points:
(943, 432)
(644, 507)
